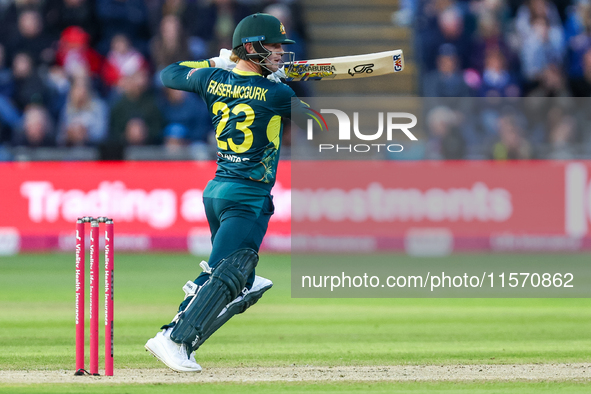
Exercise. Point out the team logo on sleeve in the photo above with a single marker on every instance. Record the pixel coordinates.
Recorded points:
(191, 72)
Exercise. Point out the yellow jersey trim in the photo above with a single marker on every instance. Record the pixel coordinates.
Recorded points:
(198, 64)
(246, 73)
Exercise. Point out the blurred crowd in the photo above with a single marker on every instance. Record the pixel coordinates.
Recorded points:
(85, 73)
(495, 51)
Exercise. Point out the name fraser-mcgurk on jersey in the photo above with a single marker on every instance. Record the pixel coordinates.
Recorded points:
(237, 91)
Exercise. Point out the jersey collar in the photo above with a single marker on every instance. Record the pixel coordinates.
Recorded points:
(246, 73)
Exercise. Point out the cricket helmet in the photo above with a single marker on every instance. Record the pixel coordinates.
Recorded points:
(262, 28)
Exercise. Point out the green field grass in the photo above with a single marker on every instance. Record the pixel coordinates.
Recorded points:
(316, 388)
(37, 324)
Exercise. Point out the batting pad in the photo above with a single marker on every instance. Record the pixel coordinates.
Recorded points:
(225, 283)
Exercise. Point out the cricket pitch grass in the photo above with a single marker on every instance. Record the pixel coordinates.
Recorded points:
(292, 345)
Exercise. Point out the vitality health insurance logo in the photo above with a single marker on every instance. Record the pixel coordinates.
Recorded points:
(377, 134)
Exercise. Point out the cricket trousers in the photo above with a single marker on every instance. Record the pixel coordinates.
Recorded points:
(234, 226)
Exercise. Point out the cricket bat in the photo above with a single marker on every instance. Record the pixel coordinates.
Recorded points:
(346, 67)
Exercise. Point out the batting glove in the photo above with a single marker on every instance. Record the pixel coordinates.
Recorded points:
(223, 60)
(277, 75)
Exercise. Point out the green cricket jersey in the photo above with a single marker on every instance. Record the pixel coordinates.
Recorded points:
(246, 110)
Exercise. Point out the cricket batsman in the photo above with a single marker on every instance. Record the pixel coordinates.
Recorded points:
(246, 101)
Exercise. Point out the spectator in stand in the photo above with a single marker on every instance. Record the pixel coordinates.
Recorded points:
(211, 24)
(406, 14)
(30, 37)
(447, 80)
(445, 140)
(170, 45)
(29, 86)
(155, 13)
(10, 117)
(497, 80)
(83, 120)
(497, 9)
(561, 138)
(539, 39)
(37, 130)
(175, 138)
(581, 87)
(127, 17)
(543, 47)
(551, 83)
(225, 22)
(489, 37)
(448, 27)
(577, 33)
(123, 60)
(58, 84)
(177, 143)
(9, 19)
(188, 12)
(182, 108)
(511, 144)
(76, 56)
(136, 102)
(61, 14)
(136, 132)
(6, 81)
(529, 12)
(176, 7)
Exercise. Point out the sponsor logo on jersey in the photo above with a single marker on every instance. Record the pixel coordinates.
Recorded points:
(232, 158)
(191, 72)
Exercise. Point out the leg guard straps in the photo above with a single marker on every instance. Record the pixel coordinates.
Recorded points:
(238, 305)
(224, 285)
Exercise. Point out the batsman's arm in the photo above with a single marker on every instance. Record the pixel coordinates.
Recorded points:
(178, 75)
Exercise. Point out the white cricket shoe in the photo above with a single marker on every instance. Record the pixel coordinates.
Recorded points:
(171, 353)
(248, 297)
(260, 283)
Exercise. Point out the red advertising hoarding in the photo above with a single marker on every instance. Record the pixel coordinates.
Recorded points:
(155, 205)
(536, 205)
(463, 205)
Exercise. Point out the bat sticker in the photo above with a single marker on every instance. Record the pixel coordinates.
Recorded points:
(397, 62)
(362, 68)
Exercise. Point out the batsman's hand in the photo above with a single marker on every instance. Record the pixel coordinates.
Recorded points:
(223, 60)
(277, 75)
